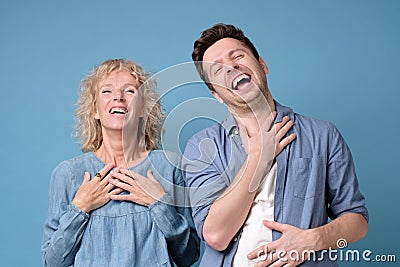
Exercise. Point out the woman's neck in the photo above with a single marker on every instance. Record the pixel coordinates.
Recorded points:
(121, 153)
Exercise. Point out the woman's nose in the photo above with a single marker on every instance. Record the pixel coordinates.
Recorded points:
(119, 96)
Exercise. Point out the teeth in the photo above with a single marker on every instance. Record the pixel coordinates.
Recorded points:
(238, 79)
(118, 111)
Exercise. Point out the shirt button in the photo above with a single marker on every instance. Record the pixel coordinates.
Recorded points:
(236, 132)
(235, 239)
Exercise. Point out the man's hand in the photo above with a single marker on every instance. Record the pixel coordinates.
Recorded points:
(289, 250)
(259, 135)
(296, 244)
(263, 141)
(281, 129)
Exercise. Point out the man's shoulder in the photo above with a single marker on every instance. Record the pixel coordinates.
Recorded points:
(316, 130)
(208, 141)
(312, 122)
(303, 120)
(215, 131)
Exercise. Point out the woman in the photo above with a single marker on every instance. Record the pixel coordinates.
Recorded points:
(117, 203)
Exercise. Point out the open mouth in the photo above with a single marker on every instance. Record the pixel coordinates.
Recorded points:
(118, 110)
(240, 80)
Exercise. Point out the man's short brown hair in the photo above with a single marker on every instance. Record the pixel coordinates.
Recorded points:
(212, 35)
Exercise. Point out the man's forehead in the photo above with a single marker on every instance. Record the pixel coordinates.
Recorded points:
(223, 48)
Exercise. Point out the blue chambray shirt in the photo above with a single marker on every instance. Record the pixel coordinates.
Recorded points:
(120, 233)
(316, 178)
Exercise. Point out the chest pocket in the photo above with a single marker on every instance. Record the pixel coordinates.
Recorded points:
(309, 177)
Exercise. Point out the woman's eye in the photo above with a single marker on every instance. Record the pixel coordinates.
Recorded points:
(106, 91)
(131, 91)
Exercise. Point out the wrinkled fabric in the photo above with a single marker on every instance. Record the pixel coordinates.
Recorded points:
(120, 233)
(316, 178)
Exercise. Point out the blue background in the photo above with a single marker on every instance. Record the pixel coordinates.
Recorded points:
(334, 60)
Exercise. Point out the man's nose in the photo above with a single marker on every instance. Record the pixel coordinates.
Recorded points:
(232, 66)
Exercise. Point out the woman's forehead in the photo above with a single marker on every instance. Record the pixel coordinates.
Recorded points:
(118, 77)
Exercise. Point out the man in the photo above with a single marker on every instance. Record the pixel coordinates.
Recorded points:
(248, 207)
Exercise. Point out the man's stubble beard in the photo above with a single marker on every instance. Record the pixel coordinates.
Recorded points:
(240, 106)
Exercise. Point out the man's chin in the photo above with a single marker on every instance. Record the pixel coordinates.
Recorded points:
(248, 103)
(240, 107)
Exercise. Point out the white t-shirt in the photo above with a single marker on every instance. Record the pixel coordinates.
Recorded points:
(255, 234)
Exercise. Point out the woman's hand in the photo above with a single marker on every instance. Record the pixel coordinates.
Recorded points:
(142, 190)
(94, 193)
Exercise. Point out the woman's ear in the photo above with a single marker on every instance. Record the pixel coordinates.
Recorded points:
(96, 114)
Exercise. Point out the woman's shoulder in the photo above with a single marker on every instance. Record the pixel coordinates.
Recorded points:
(166, 162)
(77, 160)
(75, 164)
(166, 168)
(165, 157)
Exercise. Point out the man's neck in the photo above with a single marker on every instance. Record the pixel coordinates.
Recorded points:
(256, 114)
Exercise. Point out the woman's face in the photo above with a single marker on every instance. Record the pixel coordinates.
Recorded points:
(118, 97)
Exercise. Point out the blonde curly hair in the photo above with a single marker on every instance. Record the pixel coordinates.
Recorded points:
(88, 129)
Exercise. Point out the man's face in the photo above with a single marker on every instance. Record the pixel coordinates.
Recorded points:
(237, 77)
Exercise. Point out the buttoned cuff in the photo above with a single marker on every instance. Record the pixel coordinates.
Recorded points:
(166, 217)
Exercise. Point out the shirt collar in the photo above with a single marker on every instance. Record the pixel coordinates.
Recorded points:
(283, 111)
(230, 124)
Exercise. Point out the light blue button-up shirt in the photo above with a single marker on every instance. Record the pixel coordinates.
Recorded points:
(120, 233)
(316, 178)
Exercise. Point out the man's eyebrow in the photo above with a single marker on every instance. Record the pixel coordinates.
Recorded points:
(236, 50)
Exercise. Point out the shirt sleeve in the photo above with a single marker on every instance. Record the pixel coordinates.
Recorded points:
(344, 193)
(65, 224)
(174, 220)
(204, 176)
